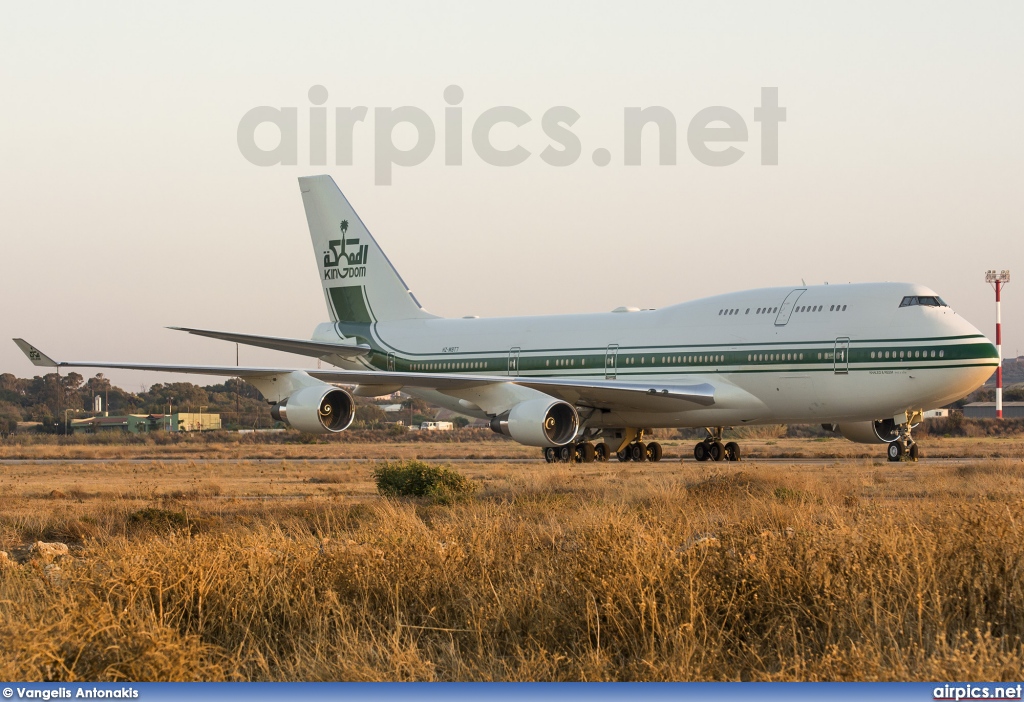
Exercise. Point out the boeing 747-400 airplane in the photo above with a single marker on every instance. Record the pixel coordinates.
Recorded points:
(864, 360)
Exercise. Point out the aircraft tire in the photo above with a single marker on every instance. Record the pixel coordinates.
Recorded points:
(566, 454)
(604, 451)
(895, 451)
(638, 451)
(717, 451)
(700, 452)
(654, 452)
(549, 455)
(623, 455)
(586, 452)
(732, 451)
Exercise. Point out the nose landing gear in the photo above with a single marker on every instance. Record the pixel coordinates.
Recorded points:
(905, 448)
(712, 448)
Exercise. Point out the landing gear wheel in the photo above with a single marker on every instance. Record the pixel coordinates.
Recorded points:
(700, 452)
(623, 455)
(638, 451)
(602, 452)
(716, 450)
(550, 455)
(565, 454)
(895, 451)
(585, 452)
(654, 452)
(732, 451)
(913, 452)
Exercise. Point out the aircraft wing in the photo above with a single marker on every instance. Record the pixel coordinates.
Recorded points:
(649, 395)
(303, 347)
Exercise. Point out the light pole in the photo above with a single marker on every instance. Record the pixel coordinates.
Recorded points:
(998, 280)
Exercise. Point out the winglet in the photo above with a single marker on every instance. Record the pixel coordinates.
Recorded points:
(37, 357)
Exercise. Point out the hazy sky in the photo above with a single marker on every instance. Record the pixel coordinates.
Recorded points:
(127, 206)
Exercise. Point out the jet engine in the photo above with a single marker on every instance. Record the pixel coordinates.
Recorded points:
(321, 409)
(883, 431)
(541, 422)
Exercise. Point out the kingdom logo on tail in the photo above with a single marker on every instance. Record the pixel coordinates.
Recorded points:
(336, 252)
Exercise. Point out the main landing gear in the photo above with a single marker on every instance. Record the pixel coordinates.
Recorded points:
(712, 448)
(582, 452)
(639, 451)
(588, 452)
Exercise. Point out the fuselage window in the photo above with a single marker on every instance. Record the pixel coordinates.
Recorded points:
(933, 354)
(872, 354)
(941, 354)
(917, 354)
(801, 357)
(748, 311)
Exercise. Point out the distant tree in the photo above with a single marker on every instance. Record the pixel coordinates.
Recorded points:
(10, 415)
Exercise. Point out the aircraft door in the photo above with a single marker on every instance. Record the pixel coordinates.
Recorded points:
(391, 361)
(513, 360)
(842, 355)
(787, 307)
(611, 359)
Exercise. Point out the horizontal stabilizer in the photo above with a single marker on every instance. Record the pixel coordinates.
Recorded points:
(317, 349)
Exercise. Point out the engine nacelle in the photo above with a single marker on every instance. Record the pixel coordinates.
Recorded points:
(321, 409)
(541, 422)
(883, 431)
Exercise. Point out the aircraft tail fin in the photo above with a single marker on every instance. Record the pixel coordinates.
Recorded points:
(37, 357)
(360, 284)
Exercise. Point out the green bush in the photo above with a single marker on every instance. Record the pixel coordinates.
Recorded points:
(418, 479)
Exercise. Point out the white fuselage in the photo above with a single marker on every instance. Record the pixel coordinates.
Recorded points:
(827, 353)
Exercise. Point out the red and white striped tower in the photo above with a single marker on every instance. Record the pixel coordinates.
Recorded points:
(998, 280)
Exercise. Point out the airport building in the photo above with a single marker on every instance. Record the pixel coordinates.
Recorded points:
(143, 423)
(987, 410)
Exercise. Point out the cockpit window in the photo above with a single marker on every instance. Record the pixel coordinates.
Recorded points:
(923, 300)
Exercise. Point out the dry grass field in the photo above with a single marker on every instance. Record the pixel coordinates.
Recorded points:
(277, 563)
